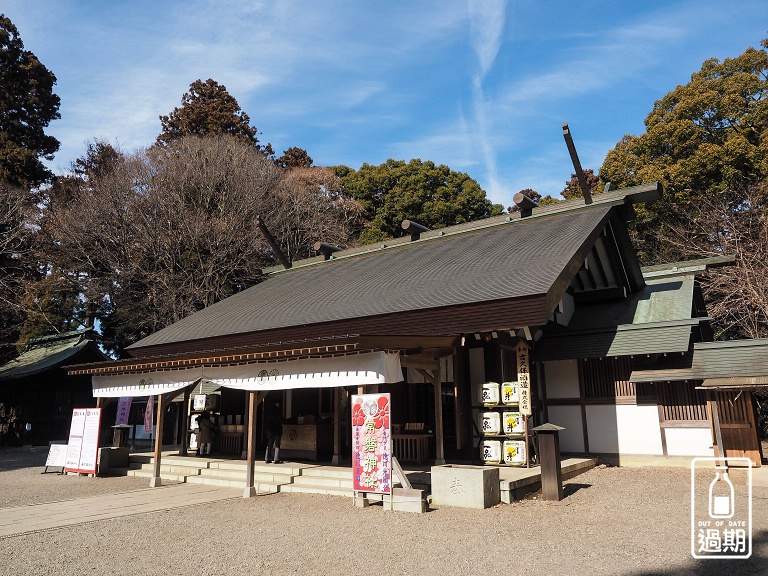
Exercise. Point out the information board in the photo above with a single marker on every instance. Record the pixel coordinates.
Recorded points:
(57, 456)
(83, 445)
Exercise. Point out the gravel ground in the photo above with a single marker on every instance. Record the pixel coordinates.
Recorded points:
(626, 521)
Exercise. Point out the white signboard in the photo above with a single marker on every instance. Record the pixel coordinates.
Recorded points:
(57, 456)
(83, 446)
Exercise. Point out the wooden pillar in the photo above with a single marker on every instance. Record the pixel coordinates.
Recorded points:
(336, 460)
(720, 453)
(439, 442)
(551, 471)
(254, 399)
(185, 423)
(246, 419)
(155, 481)
(250, 489)
(436, 381)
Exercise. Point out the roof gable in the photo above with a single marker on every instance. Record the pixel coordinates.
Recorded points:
(502, 259)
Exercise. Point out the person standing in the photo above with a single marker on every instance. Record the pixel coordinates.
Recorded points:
(207, 433)
(274, 431)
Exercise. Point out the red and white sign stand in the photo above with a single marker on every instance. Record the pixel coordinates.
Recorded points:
(83, 445)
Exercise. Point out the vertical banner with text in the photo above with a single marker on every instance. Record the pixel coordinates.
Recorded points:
(148, 415)
(371, 444)
(522, 351)
(123, 410)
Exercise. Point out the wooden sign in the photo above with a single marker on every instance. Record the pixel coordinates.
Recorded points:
(522, 351)
(371, 444)
(83, 445)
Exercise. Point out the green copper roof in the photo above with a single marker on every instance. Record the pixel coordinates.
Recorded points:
(46, 352)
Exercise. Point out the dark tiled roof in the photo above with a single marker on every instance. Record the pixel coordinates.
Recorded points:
(47, 352)
(497, 260)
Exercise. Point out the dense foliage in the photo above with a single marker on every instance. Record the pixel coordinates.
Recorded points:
(434, 196)
(208, 109)
(707, 143)
(27, 106)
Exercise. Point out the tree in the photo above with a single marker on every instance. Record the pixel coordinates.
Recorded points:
(708, 137)
(142, 240)
(16, 235)
(27, 106)
(733, 224)
(295, 158)
(208, 109)
(434, 196)
(573, 188)
(308, 206)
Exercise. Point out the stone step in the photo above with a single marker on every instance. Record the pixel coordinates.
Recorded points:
(214, 481)
(323, 481)
(163, 475)
(326, 472)
(170, 468)
(316, 489)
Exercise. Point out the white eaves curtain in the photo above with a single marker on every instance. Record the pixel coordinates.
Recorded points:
(144, 383)
(353, 370)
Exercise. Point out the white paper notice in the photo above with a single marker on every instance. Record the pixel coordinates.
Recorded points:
(76, 430)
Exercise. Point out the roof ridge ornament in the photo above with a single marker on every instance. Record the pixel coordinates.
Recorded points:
(586, 192)
(414, 229)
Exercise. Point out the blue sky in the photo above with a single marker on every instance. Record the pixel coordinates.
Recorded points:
(482, 86)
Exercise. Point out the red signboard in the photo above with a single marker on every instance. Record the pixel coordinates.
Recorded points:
(371, 444)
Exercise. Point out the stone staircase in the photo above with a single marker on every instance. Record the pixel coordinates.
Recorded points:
(268, 478)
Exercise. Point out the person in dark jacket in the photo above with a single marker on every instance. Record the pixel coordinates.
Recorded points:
(207, 433)
(274, 431)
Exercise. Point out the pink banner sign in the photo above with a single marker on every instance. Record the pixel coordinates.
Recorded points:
(148, 414)
(371, 443)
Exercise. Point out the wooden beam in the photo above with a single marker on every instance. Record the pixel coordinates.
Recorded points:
(585, 190)
(156, 481)
(419, 363)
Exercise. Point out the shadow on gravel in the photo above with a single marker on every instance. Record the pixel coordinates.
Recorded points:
(15, 458)
(570, 489)
(754, 565)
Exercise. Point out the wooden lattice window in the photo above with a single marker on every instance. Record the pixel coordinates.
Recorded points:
(606, 377)
(681, 401)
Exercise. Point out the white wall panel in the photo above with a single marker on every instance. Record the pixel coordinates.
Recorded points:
(689, 442)
(624, 429)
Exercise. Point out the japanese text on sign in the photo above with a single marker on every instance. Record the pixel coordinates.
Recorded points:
(524, 378)
(371, 444)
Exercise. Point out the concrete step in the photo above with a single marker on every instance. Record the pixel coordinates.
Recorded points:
(170, 468)
(213, 481)
(329, 482)
(326, 472)
(316, 489)
(163, 475)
